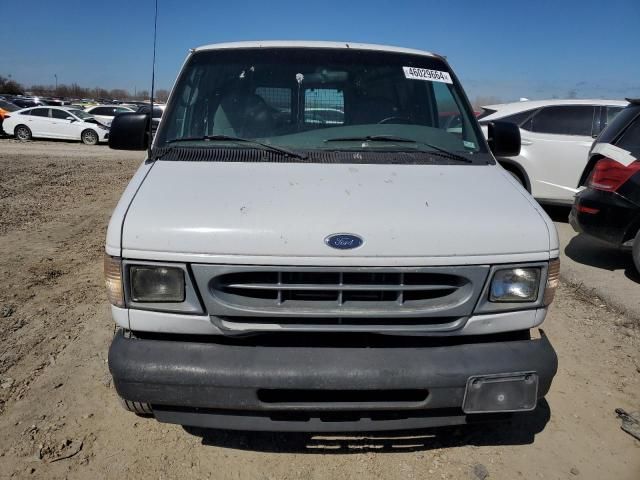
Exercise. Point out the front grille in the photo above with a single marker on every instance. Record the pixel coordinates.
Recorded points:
(325, 299)
(338, 288)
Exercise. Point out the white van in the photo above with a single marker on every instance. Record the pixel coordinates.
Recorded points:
(271, 272)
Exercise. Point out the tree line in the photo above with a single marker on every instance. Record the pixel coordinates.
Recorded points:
(11, 87)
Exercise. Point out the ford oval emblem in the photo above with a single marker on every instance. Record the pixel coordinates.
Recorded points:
(344, 241)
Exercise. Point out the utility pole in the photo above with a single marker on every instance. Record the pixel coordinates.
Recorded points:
(56, 77)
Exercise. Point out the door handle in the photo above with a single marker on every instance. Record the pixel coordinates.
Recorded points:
(526, 141)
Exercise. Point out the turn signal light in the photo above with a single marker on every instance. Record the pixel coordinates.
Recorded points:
(113, 280)
(609, 175)
(553, 280)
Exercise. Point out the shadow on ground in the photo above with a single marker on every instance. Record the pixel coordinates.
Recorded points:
(520, 430)
(588, 251)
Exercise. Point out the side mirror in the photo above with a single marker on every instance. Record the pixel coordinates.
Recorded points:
(504, 139)
(71, 119)
(129, 131)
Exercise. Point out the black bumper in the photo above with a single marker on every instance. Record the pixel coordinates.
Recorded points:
(221, 385)
(606, 216)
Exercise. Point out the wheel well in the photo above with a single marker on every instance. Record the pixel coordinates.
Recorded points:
(518, 171)
(21, 125)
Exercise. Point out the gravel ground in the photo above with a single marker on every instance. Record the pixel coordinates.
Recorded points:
(60, 418)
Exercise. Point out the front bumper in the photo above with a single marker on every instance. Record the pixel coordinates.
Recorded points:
(220, 385)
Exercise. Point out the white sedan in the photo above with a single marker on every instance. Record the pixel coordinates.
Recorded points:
(67, 123)
(556, 137)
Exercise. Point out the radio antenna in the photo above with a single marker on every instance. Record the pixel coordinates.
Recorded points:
(153, 78)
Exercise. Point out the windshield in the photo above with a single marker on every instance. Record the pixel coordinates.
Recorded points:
(320, 99)
(81, 114)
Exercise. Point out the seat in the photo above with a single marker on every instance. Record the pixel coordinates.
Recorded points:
(244, 114)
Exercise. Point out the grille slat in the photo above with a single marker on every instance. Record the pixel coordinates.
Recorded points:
(345, 287)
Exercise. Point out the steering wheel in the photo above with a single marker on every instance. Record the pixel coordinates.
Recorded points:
(404, 120)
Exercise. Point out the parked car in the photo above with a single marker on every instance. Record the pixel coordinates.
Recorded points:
(609, 208)
(57, 102)
(556, 136)
(323, 116)
(55, 122)
(158, 111)
(5, 109)
(106, 113)
(272, 275)
(24, 102)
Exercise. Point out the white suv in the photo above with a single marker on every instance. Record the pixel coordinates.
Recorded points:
(270, 272)
(556, 137)
(106, 113)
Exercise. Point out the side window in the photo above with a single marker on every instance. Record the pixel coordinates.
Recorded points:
(518, 118)
(40, 112)
(324, 106)
(564, 120)
(100, 111)
(611, 113)
(26, 112)
(59, 114)
(604, 118)
(630, 139)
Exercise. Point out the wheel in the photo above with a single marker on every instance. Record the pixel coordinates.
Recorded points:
(22, 133)
(636, 251)
(89, 137)
(139, 408)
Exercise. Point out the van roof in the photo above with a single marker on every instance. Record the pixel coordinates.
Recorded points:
(313, 44)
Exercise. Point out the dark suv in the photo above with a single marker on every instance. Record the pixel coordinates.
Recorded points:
(609, 207)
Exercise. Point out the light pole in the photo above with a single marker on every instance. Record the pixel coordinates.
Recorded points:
(56, 77)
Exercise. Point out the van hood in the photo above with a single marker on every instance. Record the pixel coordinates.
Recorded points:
(288, 210)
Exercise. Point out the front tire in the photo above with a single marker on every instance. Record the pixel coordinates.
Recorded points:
(23, 133)
(89, 137)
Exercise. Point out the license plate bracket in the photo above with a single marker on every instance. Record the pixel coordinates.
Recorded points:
(506, 392)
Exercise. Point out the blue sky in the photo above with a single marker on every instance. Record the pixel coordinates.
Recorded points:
(505, 49)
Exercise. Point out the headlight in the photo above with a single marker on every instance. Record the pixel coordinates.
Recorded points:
(156, 284)
(515, 285)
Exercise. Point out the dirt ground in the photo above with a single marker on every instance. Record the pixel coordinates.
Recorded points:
(60, 418)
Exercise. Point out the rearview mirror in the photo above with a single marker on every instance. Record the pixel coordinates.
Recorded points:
(504, 139)
(129, 131)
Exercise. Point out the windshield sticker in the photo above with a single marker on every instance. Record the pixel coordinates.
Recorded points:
(428, 75)
(468, 144)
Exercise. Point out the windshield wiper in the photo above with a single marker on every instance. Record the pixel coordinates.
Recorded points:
(393, 139)
(229, 138)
